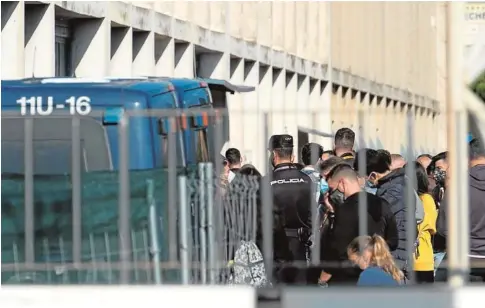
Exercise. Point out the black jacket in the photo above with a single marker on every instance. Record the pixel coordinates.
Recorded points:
(293, 195)
(380, 220)
(476, 180)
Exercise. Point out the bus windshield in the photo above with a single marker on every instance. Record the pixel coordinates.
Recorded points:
(52, 146)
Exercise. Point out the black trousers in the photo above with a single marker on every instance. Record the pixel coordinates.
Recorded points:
(424, 276)
(298, 272)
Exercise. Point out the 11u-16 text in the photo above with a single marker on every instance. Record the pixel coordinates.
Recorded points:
(44, 106)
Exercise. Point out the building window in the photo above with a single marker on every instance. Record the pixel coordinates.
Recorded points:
(63, 49)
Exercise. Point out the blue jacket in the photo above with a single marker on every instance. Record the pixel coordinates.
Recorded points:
(375, 276)
(392, 188)
(315, 176)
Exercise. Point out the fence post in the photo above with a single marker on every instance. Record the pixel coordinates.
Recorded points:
(124, 225)
(203, 222)
(210, 222)
(455, 86)
(29, 189)
(410, 196)
(184, 229)
(172, 190)
(76, 190)
(154, 232)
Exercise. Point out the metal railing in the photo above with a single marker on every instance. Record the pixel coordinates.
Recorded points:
(187, 233)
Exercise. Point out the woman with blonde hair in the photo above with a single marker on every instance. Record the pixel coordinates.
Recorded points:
(372, 255)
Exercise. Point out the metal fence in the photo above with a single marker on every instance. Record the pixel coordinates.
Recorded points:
(166, 225)
(163, 225)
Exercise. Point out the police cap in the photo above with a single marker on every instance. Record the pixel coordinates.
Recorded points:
(280, 142)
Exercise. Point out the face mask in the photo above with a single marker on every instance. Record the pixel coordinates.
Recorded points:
(336, 197)
(372, 180)
(369, 184)
(439, 176)
(370, 187)
(323, 186)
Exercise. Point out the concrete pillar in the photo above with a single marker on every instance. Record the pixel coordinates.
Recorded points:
(235, 105)
(372, 120)
(143, 53)
(164, 56)
(381, 125)
(184, 60)
(304, 116)
(121, 51)
(252, 112)
(389, 115)
(39, 40)
(278, 98)
(356, 126)
(314, 100)
(322, 94)
(337, 105)
(13, 37)
(291, 108)
(265, 92)
(91, 47)
(214, 65)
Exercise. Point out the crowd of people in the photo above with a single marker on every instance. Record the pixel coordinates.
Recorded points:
(335, 182)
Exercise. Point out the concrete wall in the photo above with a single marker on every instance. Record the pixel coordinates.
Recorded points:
(385, 59)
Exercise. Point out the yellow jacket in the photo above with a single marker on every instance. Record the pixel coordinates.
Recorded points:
(425, 260)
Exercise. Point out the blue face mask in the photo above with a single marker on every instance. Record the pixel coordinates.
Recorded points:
(369, 184)
(370, 187)
(323, 186)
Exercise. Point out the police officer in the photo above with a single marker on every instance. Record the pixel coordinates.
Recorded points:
(292, 195)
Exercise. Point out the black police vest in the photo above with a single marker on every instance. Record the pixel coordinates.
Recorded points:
(293, 195)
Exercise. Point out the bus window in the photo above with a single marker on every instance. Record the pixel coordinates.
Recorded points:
(202, 146)
(53, 146)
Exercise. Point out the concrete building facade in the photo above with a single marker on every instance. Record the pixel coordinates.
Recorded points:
(385, 59)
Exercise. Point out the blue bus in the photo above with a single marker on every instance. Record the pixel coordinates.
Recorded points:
(99, 135)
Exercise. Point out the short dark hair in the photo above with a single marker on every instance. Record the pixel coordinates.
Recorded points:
(330, 163)
(379, 162)
(422, 181)
(440, 156)
(476, 149)
(369, 154)
(233, 156)
(344, 170)
(345, 138)
(436, 158)
(425, 155)
(382, 151)
(309, 151)
(284, 153)
(250, 170)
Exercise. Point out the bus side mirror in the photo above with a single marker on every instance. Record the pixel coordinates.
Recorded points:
(200, 121)
(163, 126)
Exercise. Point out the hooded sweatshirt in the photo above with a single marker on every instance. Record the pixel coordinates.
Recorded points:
(476, 180)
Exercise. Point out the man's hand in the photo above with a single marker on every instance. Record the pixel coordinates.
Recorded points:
(324, 277)
(328, 206)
